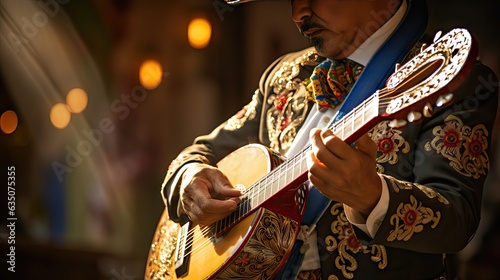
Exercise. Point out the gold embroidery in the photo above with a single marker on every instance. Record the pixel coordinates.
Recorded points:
(266, 248)
(463, 146)
(432, 194)
(247, 113)
(401, 185)
(347, 245)
(389, 142)
(288, 104)
(161, 255)
(380, 168)
(410, 218)
(284, 78)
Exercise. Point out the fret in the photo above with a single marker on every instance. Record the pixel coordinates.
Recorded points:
(265, 193)
(356, 119)
(296, 165)
(350, 124)
(255, 191)
(343, 125)
(276, 184)
(282, 176)
(353, 127)
(364, 112)
(304, 162)
(281, 180)
(268, 188)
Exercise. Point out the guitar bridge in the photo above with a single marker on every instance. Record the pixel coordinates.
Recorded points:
(182, 250)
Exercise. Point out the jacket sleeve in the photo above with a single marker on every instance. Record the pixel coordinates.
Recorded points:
(435, 192)
(239, 130)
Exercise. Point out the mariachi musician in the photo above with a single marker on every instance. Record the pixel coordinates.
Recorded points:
(401, 198)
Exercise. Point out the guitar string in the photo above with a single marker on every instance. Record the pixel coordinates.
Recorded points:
(271, 178)
(207, 230)
(383, 100)
(287, 165)
(383, 93)
(291, 163)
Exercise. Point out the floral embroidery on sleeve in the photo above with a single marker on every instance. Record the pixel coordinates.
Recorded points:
(410, 218)
(344, 240)
(429, 192)
(389, 142)
(463, 146)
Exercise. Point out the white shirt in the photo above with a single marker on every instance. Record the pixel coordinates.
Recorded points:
(321, 118)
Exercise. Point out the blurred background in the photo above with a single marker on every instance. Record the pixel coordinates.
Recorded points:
(98, 96)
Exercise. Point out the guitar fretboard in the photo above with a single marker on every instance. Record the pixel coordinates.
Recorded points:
(294, 167)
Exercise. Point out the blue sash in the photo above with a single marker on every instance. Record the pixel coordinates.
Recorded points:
(373, 77)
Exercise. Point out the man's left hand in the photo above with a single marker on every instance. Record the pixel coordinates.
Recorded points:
(345, 173)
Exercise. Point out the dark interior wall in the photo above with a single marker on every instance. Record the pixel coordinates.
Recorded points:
(120, 34)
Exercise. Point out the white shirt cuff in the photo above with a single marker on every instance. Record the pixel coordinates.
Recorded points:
(371, 224)
(175, 187)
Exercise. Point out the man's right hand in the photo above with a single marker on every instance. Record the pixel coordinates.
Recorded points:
(206, 194)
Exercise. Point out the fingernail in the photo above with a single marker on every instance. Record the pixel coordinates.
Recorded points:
(327, 132)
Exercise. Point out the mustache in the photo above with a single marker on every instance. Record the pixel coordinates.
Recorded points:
(308, 24)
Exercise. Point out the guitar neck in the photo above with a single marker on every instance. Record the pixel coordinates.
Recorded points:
(294, 170)
(352, 126)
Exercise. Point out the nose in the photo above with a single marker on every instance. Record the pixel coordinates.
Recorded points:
(301, 9)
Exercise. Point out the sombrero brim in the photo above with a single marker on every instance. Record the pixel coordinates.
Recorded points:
(237, 2)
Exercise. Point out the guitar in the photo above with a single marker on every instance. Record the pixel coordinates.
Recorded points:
(255, 240)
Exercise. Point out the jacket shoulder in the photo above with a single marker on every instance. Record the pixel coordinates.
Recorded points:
(295, 64)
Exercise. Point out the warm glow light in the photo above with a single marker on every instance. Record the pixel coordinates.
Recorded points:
(60, 115)
(77, 100)
(199, 33)
(8, 121)
(150, 74)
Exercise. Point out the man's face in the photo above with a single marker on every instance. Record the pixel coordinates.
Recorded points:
(336, 28)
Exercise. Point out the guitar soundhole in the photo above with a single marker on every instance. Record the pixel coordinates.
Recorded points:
(241, 188)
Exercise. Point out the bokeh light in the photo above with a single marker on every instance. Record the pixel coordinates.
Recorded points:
(77, 100)
(199, 33)
(60, 115)
(8, 121)
(150, 74)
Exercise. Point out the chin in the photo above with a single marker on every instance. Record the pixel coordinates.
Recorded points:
(328, 51)
(319, 44)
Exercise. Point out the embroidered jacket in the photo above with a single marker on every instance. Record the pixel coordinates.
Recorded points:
(434, 169)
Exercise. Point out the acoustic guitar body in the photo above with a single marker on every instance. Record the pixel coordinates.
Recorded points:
(254, 248)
